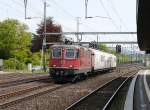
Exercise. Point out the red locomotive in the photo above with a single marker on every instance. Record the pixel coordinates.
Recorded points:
(70, 62)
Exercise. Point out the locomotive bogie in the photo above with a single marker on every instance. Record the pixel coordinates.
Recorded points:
(60, 74)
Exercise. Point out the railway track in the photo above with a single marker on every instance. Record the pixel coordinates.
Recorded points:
(27, 94)
(8, 83)
(12, 98)
(16, 96)
(102, 97)
(23, 91)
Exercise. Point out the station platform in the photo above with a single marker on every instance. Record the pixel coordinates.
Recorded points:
(138, 97)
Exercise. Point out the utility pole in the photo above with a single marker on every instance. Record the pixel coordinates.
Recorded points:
(86, 4)
(43, 56)
(97, 42)
(25, 5)
(44, 39)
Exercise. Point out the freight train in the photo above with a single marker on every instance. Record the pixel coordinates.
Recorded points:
(72, 62)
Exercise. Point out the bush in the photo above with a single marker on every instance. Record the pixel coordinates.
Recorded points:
(13, 63)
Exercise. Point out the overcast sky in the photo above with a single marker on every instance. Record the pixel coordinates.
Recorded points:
(64, 12)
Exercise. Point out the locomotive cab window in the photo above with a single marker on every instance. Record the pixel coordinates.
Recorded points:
(56, 53)
(70, 53)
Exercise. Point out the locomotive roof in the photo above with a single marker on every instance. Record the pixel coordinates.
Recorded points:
(78, 46)
(66, 46)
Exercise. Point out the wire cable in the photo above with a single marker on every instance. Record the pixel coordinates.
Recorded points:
(11, 7)
(108, 15)
(117, 14)
(62, 9)
(29, 9)
(68, 13)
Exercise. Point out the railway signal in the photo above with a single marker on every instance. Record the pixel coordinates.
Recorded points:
(118, 48)
(147, 52)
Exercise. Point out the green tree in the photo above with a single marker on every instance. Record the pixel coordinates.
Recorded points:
(36, 58)
(104, 48)
(51, 26)
(13, 38)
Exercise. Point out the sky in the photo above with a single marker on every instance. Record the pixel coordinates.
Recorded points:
(116, 15)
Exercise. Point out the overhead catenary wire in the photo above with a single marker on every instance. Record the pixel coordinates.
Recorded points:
(87, 26)
(30, 10)
(37, 13)
(117, 14)
(2, 10)
(27, 8)
(68, 28)
(11, 7)
(108, 15)
(62, 9)
(68, 13)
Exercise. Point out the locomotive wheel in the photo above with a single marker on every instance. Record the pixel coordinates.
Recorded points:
(84, 76)
(75, 78)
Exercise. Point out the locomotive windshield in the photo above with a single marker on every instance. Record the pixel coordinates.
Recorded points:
(56, 53)
(70, 53)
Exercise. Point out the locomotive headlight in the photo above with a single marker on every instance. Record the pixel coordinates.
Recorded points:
(70, 66)
(54, 65)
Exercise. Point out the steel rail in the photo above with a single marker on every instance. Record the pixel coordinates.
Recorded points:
(102, 86)
(21, 81)
(23, 91)
(28, 97)
(116, 92)
(47, 90)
